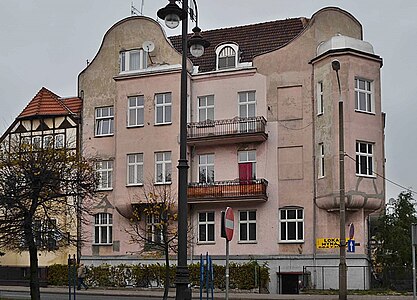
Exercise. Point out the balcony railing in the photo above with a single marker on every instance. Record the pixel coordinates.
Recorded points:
(225, 191)
(248, 129)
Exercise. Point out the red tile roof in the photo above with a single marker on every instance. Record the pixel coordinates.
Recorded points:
(74, 104)
(47, 103)
(253, 40)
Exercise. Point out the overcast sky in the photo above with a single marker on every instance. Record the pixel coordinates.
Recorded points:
(47, 42)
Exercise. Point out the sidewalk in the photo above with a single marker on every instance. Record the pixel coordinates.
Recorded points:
(217, 296)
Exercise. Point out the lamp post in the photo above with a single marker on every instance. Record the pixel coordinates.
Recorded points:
(173, 14)
(342, 213)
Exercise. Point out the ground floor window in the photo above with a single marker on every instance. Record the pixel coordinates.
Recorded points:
(291, 224)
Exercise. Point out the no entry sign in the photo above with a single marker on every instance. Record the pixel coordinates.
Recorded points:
(229, 223)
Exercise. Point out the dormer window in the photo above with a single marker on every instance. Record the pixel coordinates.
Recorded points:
(227, 56)
(133, 60)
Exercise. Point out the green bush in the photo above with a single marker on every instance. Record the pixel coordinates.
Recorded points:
(58, 274)
(245, 276)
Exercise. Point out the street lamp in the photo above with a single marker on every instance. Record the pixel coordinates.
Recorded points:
(342, 215)
(172, 14)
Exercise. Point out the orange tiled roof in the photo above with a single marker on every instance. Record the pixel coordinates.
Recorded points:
(253, 40)
(47, 103)
(74, 104)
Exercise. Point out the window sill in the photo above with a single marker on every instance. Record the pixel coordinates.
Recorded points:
(206, 243)
(319, 114)
(247, 242)
(365, 112)
(103, 135)
(162, 124)
(135, 126)
(366, 176)
(292, 242)
(321, 177)
(102, 244)
(134, 184)
(104, 190)
(163, 183)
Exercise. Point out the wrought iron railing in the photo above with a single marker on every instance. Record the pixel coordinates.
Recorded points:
(226, 127)
(228, 189)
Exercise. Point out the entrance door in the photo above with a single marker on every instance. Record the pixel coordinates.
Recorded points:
(289, 283)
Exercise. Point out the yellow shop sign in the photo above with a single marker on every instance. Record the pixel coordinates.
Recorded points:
(328, 243)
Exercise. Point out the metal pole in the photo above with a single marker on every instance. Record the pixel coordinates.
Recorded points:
(414, 272)
(413, 245)
(227, 270)
(342, 264)
(183, 291)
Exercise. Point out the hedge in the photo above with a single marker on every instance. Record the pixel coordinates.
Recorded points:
(244, 276)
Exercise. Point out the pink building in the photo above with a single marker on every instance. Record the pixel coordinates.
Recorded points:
(262, 139)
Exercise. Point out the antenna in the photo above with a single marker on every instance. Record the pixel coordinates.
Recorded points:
(134, 11)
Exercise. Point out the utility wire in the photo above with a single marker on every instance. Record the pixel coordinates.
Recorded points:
(386, 179)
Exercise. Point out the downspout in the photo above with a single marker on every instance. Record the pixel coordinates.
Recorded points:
(190, 169)
(313, 137)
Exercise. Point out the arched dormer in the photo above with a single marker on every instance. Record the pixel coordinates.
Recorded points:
(227, 56)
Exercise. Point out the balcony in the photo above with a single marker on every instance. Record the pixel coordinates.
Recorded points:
(227, 131)
(230, 191)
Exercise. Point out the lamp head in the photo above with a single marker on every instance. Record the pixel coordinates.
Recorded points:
(172, 14)
(197, 44)
(335, 65)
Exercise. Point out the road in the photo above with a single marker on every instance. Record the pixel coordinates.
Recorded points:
(17, 295)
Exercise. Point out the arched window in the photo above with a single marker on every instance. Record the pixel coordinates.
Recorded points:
(226, 58)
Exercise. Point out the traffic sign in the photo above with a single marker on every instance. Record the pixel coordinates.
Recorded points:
(229, 223)
(351, 246)
(351, 231)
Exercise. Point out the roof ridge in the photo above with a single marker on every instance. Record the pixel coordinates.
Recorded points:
(245, 26)
(39, 102)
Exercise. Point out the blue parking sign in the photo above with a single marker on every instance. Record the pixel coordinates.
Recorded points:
(351, 246)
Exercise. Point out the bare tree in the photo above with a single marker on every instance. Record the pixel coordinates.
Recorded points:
(154, 224)
(40, 188)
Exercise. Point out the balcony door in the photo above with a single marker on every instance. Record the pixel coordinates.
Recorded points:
(247, 111)
(247, 166)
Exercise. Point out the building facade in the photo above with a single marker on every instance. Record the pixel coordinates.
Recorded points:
(262, 138)
(47, 121)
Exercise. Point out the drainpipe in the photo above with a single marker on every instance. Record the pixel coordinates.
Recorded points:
(313, 137)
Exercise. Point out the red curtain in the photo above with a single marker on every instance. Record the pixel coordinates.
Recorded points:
(245, 172)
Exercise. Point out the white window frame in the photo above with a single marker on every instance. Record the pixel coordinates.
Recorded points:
(154, 234)
(320, 98)
(246, 101)
(227, 51)
(247, 224)
(366, 157)
(103, 227)
(137, 109)
(206, 164)
(104, 116)
(126, 59)
(285, 219)
(208, 225)
(59, 141)
(321, 156)
(164, 108)
(135, 169)
(206, 108)
(47, 141)
(46, 235)
(163, 160)
(248, 156)
(104, 170)
(367, 92)
(37, 141)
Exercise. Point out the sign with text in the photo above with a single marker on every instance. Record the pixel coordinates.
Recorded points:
(328, 243)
